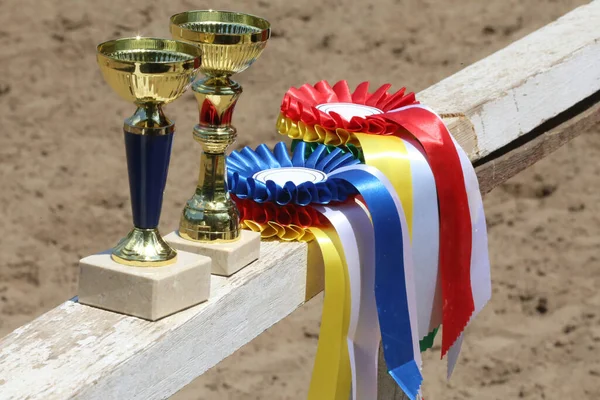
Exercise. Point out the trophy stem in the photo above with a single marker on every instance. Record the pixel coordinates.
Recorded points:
(211, 180)
(148, 140)
(210, 215)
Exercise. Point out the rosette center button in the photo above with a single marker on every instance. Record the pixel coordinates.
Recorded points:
(349, 110)
(296, 175)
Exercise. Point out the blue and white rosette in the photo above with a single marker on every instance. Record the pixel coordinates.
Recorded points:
(273, 176)
(332, 179)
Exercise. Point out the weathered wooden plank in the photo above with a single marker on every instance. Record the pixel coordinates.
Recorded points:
(516, 89)
(87, 353)
(78, 351)
(497, 170)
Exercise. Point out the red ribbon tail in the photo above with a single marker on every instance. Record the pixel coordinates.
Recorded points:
(455, 219)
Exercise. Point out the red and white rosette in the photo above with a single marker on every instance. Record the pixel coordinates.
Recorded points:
(335, 115)
(329, 114)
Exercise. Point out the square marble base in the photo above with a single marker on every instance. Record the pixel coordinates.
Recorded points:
(227, 258)
(147, 292)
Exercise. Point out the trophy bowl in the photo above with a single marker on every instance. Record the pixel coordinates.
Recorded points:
(148, 72)
(230, 41)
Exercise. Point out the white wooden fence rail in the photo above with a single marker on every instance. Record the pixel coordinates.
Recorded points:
(512, 109)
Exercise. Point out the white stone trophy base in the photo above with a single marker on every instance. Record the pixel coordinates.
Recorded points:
(227, 258)
(146, 292)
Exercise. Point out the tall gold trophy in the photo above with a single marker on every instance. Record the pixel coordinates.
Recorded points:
(148, 72)
(230, 43)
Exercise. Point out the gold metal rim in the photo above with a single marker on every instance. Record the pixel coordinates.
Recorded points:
(262, 26)
(214, 237)
(153, 131)
(150, 264)
(144, 247)
(191, 54)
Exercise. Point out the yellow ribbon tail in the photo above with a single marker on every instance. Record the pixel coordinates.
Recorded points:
(389, 155)
(332, 377)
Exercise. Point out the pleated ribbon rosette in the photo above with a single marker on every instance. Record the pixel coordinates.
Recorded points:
(313, 194)
(394, 203)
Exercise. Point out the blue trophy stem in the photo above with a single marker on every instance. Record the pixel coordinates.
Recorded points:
(148, 164)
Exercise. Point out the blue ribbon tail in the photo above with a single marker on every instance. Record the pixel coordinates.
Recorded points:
(409, 378)
(390, 281)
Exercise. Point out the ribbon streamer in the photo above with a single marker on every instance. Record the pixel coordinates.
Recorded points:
(480, 277)
(455, 219)
(394, 280)
(331, 377)
(409, 172)
(353, 225)
(425, 244)
(389, 155)
(481, 280)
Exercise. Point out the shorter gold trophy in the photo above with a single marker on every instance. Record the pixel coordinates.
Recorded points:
(230, 43)
(150, 73)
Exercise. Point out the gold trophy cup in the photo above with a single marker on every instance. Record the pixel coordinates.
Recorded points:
(230, 43)
(150, 73)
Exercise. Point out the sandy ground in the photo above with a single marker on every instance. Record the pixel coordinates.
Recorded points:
(64, 190)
